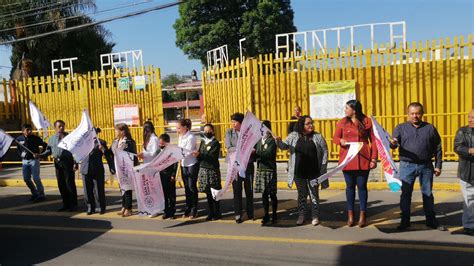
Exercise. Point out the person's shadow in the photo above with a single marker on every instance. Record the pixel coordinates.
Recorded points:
(28, 239)
(405, 252)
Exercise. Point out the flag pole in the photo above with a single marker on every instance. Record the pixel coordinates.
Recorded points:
(24, 147)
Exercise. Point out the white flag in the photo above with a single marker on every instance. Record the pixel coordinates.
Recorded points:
(39, 119)
(251, 132)
(168, 156)
(81, 141)
(390, 170)
(5, 142)
(149, 193)
(148, 187)
(354, 149)
(124, 169)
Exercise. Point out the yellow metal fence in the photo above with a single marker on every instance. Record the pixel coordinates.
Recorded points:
(437, 73)
(64, 98)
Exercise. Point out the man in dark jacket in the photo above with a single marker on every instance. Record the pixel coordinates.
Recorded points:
(30, 161)
(418, 142)
(168, 181)
(292, 125)
(464, 147)
(93, 175)
(65, 167)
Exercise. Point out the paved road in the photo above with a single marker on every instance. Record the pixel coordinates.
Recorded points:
(35, 233)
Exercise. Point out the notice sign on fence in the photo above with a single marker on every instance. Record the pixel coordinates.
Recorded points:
(139, 82)
(123, 84)
(127, 113)
(327, 99)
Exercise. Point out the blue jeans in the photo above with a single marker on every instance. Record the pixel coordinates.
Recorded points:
(359, 178)
(32, 168)
(408, 173)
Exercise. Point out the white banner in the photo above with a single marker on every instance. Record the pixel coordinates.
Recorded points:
(232, 171)
(390, 170)
(354, 149)
(148, 187)
(251, 132)
(171, 154)
(5, 142)
(124, 169)
(81, 141)
(39, 119)
(149, 193)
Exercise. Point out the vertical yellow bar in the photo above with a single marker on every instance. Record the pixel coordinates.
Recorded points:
(249, 84)
(448, 90)
(159, 99)
(420, 75)
(30, 96)
(267, 89)
(377, 84)
(469, 74)
(440, 78)
(429, 86)
(400, 89)
(455, 102)
(411, 63)
(6, 104)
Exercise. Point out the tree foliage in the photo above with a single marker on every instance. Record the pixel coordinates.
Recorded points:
(87, 44)
(171, 96)
(171, 80)
(207, 24)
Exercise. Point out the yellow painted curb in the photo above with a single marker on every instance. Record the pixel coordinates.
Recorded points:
(281, 185)
(337, 185)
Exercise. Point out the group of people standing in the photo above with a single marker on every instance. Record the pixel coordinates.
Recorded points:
(418, 142)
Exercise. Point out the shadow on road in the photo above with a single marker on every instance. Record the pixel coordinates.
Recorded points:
(27, 240)
(402, 252)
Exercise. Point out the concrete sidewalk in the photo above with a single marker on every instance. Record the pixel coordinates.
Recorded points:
(447, 181)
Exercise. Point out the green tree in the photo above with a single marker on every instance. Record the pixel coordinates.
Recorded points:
(87, 44)
(206, 24)
(168, 82)
(171, 80)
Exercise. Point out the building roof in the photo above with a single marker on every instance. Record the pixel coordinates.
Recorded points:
(182, 104)
(188, 86)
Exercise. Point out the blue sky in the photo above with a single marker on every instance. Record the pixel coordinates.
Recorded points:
(153, 33)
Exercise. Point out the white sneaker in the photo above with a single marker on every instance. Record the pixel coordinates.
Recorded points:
(315, 221)
(300, 220)
(153, 215)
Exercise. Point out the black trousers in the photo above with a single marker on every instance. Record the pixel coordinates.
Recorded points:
(266, 203)
(94, 186)
(214, 206)
(247, 183)
(127, 200)
(169, 191)
(190, 175)
(66, 182)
